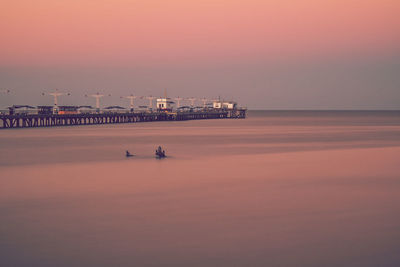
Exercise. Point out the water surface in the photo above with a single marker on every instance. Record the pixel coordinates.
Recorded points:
(280, 188)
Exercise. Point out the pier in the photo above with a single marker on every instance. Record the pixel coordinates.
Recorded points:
(51, 120)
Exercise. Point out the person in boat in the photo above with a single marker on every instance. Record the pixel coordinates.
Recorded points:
(128, 154)
(160, 152)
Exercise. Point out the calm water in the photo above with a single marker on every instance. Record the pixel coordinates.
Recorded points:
(280, 188)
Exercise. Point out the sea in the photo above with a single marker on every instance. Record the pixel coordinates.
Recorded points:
(279, 188)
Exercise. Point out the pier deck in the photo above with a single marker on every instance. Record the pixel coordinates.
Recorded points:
(49, 120)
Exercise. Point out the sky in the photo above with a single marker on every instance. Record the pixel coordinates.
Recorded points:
(265, 54)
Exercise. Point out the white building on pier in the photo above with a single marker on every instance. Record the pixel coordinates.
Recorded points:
(165, 104)
(224, 105)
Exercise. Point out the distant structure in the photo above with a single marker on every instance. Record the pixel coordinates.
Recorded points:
(97, 97)
(224, 104)
(204, 100)
(56, 94)
(21, 110)
(191, 99)
(165, 104)
(45, 110)
(114, 109)
(178, 101)
(68, 110)
(131, 98)
(151, 98)
(86, 110)
(20, 116)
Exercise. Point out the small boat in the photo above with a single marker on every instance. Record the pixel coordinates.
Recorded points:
(160, 153)
(128, 154)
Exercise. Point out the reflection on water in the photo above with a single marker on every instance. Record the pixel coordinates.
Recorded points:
(263, 132)
(276, 189)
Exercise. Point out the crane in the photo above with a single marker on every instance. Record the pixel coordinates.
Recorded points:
(97, 96)
(178, 101)
(204, 100)
(131, 98)
(150, 98)
(55, 95)
(192, 99)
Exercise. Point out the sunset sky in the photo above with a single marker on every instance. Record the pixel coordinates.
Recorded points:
(267, 54)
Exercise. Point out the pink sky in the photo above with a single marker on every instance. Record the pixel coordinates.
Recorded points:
(266, 54)
(152, 32)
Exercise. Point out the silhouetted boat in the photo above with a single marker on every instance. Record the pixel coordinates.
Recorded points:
(160, 153)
